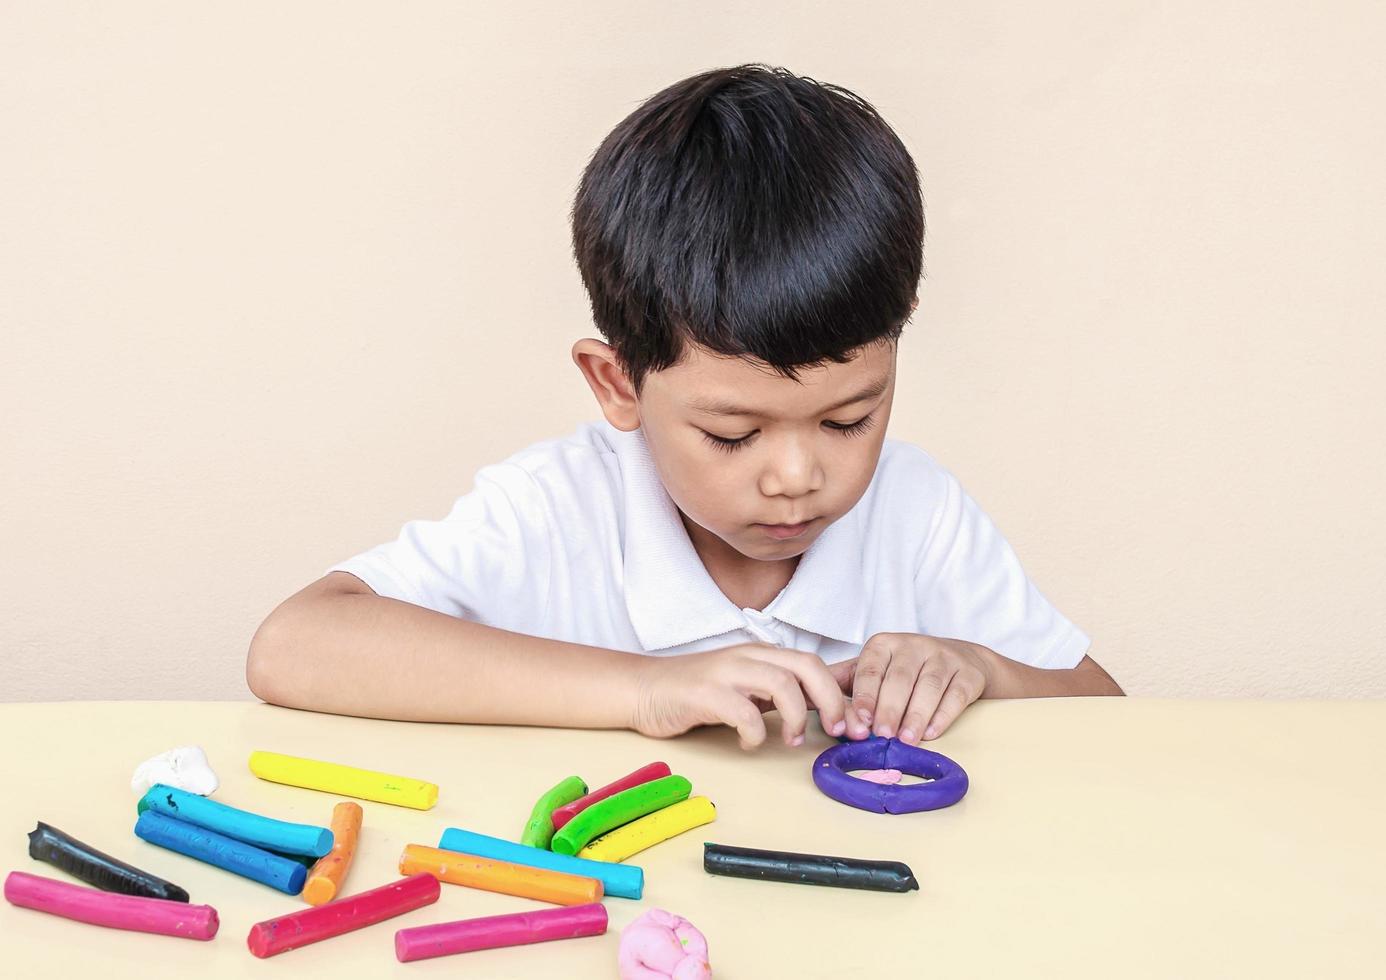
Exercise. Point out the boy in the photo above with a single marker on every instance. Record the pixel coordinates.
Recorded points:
(737, 533)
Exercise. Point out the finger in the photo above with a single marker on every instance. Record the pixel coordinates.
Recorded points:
(770, 680)
(934, 681)
(843, 672)
(927, 690)
(737, 711)
(897, 686)
(818, 683)
(866, 688)
(961, 693)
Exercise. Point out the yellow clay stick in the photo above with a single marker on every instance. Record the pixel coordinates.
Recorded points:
(325, 877)
(329, 777)
(650, 829)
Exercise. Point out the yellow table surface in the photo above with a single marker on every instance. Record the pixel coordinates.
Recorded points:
(1101, 837)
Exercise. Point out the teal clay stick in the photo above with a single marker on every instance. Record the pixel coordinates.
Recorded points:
(539, 830)
(620, 809)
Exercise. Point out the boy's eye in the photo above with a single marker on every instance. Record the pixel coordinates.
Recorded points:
(726, 445)
(846, 428)
(853, 428)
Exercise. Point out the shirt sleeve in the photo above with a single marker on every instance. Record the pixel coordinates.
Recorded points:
(488, 560)
(971, 586)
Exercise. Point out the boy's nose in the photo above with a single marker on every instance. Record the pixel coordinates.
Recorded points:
(792, 474)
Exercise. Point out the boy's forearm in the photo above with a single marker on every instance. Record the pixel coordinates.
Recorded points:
(1008, 678)
(382, 658)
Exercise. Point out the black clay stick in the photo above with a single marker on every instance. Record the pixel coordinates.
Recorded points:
(99, 870)
(808, 869)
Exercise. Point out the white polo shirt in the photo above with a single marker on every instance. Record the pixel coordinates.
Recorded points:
(576, 539)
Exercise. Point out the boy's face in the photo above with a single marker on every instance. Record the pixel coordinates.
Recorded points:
(755, 460)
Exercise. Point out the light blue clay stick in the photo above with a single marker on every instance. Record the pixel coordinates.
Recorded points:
(263, 832)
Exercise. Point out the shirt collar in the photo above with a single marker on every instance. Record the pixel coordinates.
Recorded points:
(671, 598)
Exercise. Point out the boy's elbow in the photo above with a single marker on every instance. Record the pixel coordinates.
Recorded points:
(264, 663)
(1097, 681)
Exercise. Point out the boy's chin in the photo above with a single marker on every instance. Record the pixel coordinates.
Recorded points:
(769, 549)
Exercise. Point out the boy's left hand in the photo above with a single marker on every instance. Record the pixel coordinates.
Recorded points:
(911, 686)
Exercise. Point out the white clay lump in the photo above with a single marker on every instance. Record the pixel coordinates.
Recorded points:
(184, 768)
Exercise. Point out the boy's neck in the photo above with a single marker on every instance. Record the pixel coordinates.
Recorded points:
(749, 583)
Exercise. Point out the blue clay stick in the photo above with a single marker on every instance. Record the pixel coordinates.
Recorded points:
(262, 832)
(624, 880)
(231, 855)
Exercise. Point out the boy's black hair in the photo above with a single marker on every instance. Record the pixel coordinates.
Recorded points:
(755, 213)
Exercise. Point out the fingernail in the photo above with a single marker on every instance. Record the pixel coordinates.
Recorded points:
(864, 715)
(883, 731)
(906, 735)
(931, 732)
(838, 728)
(797, 740)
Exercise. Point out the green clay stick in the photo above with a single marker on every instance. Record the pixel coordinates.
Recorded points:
(620, 809)
(539, 830)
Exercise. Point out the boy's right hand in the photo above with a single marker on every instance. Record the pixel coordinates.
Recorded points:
(730, 687)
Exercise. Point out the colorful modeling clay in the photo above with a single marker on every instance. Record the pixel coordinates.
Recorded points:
(342, 916)
(649, 830)
(493, 931)
(830, 774)
(227, 853)
(185, 768)
(328, 777)
(86, 863)
(645, 774)
(500, 876)
(622, 808)
(262, 832)
(621, 880)
(132, 912)
(539, 830)
(325, 877)
(662, 946)
(808, 869)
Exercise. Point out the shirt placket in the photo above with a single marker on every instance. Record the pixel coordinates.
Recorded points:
(763, 627)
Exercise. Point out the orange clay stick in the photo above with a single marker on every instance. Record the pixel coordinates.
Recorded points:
(325, 877)
(500, 876)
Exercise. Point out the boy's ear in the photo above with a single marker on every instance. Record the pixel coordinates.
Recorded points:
(609, 382)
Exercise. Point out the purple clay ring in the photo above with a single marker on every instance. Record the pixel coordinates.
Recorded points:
(830, 774)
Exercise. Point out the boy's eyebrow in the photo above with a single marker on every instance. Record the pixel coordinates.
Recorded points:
(721, 407)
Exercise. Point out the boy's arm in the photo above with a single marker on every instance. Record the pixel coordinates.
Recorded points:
(1008, 678)
(338, 647)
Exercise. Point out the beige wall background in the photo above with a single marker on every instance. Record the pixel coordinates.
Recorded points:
(275, 279)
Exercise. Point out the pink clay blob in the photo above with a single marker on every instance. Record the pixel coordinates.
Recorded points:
(662, 946)
(886, 777)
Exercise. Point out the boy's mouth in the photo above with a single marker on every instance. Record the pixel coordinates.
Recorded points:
(783, 532)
